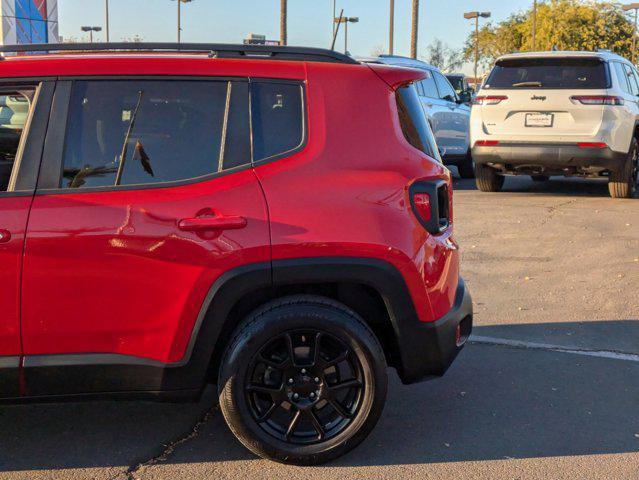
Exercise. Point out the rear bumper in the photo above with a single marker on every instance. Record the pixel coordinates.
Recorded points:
(551, 157)
(428, 349)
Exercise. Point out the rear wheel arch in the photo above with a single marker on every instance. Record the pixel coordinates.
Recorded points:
(372, 288)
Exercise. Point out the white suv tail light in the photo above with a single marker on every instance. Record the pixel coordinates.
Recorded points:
(597, 100)
(490, 99)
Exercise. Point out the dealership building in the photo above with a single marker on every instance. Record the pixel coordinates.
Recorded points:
(29, 21)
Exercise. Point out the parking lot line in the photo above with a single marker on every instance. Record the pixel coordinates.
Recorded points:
(628, 357)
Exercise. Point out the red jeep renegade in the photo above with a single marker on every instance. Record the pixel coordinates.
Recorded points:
(274, 220)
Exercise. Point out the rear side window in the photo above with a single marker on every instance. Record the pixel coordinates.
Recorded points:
(428, 84)
(622, 77)
(413, 122)
(446, 91)
(632, 80)
(551, 73)
(129, 132)
(14, 112)
(277, 118)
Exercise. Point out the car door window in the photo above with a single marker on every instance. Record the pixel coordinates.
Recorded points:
(14, 113)
(131, 132)
(446, 91)
(277, 118)
(622, 77)
(632, 80)
(429, 87)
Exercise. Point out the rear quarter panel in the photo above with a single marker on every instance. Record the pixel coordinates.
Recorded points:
(346, 192)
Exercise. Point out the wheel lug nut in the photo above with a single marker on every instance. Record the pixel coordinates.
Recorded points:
(296, 396)
(303, 370)
(316, 379)
(312, 395)
(290, 381)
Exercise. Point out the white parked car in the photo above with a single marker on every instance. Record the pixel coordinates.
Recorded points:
(558, 113)
(447, 112)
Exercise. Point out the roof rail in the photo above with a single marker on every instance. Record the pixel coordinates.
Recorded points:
(215, 50)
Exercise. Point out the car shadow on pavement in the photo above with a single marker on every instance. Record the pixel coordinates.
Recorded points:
(556, 186)
(496, 402)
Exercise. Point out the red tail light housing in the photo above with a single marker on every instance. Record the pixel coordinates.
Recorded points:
(490, 99)
(595, 145)
(610, 100)
(430, 201)
(486, 143)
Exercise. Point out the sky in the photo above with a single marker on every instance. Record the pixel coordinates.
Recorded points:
(309, 21)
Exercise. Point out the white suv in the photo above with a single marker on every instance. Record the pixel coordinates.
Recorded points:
(558, 113)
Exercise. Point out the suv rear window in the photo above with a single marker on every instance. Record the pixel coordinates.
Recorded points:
(558, 73)
(413, 121)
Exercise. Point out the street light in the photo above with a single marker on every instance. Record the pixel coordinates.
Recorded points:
(91, 30)
(179, 18)
(391, 34)
(627, 8)
(476, 16)
(346, 21)
(108, 38)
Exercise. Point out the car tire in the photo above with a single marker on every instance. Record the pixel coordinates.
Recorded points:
(487, 179)
(466, 167)
(623, 182)
(304, 411)
(540, 178)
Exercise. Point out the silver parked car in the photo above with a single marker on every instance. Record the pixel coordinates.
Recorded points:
(447, 112)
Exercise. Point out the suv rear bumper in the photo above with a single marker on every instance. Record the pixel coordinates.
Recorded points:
(548, 156)
(428, 349)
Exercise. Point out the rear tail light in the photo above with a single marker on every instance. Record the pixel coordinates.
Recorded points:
(597, 100)
(486, 143)
(431, 205)
(596, 145)
(490, 99)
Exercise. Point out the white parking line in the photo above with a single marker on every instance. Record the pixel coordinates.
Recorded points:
(628, 357)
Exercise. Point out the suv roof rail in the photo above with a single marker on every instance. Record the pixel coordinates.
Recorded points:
(215, 50)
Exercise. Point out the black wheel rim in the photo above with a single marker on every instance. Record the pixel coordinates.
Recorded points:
(305, 387)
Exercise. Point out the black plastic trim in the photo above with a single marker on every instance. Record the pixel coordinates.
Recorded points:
(215, 50)
(551, 155)
(434, 225)
(426, 349)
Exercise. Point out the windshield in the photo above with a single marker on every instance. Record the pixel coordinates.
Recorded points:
(556, 73)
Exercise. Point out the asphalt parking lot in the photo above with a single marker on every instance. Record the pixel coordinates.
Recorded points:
(549, 387)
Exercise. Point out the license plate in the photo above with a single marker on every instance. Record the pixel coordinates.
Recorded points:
(539, 119)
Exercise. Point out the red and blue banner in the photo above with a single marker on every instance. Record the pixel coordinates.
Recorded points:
(31, 21)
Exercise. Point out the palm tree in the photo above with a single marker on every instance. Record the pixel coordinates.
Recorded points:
(283, 33)
(413, 36)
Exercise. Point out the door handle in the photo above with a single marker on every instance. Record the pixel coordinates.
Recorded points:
(5, 236)
(202, 224)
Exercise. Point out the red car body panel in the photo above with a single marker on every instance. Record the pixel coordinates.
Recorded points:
(351, 198)
(14, 212)
(111, 272)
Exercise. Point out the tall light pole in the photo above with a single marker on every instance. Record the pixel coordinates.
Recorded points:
(627, 8)
(283, 19)
(108, 36)
(91, 30)
(476, 16)
(179, 18)
(534, 26)
(391, 32)
(414, 27)
(346, 21)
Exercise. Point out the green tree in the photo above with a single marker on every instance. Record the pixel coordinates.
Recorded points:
(564, 24)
